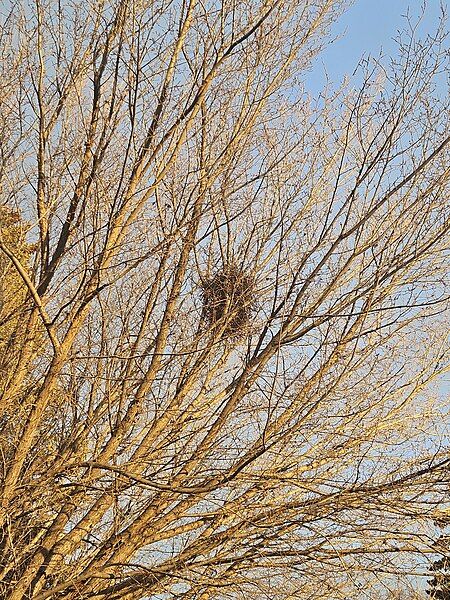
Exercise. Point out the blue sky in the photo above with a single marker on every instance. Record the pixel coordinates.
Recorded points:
(366, 28)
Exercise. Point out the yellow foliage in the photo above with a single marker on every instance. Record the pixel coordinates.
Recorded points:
(12, 289)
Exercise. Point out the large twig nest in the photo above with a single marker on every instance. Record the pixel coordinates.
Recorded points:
(229, 300)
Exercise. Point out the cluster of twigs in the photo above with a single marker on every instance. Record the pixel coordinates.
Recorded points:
(229, 299)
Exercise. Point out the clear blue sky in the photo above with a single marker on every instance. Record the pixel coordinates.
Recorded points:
(366, 28)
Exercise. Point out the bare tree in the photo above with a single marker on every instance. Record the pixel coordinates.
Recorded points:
(220, 365)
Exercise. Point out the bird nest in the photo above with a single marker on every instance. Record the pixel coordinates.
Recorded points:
(229, 300)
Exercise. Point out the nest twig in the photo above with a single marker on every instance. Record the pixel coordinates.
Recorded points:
(229, 300)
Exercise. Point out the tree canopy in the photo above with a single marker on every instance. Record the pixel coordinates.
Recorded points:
(223, 304)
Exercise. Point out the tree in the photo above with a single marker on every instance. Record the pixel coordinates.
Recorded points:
(439, 585)
(234, 317)
(13, 303)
